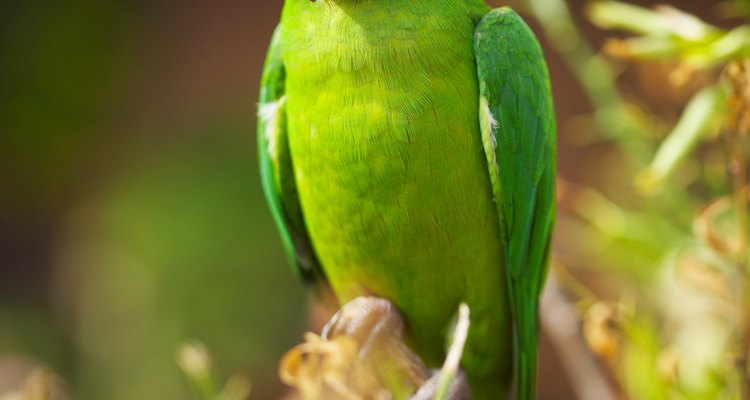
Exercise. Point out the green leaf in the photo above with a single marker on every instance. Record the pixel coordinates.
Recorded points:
(697, 121)
(663, 21)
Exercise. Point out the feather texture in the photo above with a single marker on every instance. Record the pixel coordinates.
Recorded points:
(395, 171)
(276, 169)
(514, 84)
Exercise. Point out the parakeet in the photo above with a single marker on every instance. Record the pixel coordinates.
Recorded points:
(407, 151)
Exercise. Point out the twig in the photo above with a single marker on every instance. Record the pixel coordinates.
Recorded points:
(452, 361)
(561, 323)
(739, 76)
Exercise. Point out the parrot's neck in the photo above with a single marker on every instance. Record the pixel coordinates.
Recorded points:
(382, 39)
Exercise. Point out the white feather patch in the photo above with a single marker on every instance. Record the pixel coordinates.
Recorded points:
(492, 124)
(489, 126)
(269, 114)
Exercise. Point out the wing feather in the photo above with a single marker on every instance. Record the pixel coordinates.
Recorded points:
(276, 168)
(520, 148)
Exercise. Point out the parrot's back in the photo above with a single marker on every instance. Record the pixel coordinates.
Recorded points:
(383, 125)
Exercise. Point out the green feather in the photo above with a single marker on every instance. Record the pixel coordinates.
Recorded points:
(519, 130)
(276, 169)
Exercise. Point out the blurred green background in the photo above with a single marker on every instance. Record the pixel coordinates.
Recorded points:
(131, 213)
(131, 216)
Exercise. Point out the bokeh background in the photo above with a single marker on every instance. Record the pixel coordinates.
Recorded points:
(131, 212)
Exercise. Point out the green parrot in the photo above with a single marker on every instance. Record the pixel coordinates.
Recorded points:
(407, 152)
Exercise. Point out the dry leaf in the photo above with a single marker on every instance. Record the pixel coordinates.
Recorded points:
(602, 331)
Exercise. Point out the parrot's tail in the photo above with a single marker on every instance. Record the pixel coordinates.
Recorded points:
(526, 338)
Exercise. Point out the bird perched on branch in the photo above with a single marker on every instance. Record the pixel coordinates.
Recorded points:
(407, 152)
